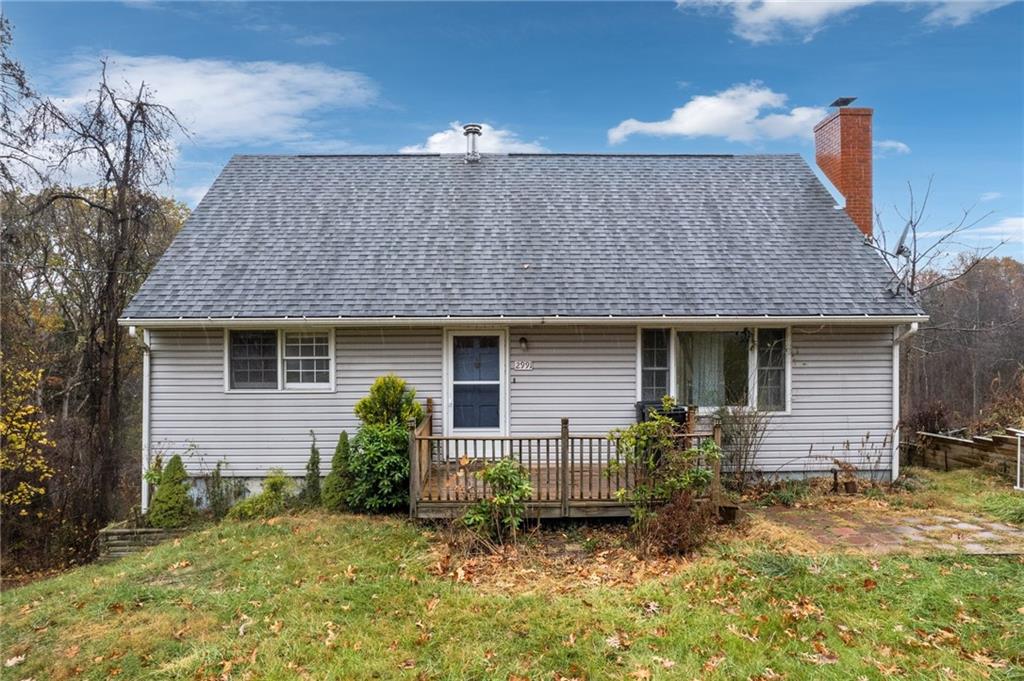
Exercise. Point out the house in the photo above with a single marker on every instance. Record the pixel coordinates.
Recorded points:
(517, 289)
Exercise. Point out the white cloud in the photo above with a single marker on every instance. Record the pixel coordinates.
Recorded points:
(739, 114)
(1009, 230)
(761, 21)
(317, 39)
(960, 12)
(229, 103)
(990, 196)
(492, 141)
(886, 147)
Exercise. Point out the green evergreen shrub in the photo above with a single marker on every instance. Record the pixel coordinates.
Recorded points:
(172, 506)
(338, 482)
(379, 467)
(273, 500)
(311, 490)
(390, 399)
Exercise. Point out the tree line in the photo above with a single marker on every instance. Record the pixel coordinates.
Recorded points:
(85, 217)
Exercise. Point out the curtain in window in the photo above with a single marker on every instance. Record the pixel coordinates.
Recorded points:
(713, 368)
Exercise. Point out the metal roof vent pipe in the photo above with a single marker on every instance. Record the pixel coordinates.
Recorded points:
(472, 131)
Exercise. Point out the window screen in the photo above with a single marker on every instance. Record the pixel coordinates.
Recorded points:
(654, 359)
(307, 359)
(713, 368)
(771, 369)
(253, 359)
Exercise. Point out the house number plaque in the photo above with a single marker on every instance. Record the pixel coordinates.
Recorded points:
(522, 365)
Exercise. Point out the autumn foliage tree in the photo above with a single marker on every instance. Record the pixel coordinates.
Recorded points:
(24, 442)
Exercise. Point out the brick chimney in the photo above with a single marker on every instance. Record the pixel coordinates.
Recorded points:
(842, 149)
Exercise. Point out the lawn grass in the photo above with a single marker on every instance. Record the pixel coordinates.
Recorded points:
(970, 490)
(350, 597)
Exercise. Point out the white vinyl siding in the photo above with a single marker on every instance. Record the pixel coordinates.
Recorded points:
(587, 374)
(256, 431)
(841, 393)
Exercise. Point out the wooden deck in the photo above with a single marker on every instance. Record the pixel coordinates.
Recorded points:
(571, 475)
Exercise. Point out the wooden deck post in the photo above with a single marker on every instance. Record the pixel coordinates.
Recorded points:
(716, 469)
(691, 423)
(414, 469)
(565, 482)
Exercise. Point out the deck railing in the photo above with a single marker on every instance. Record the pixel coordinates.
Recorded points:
(565, 469)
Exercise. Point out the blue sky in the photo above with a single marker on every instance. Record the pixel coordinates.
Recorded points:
(945, 80)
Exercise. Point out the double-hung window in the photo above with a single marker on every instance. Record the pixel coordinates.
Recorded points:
(253, 360)
(307, 359)
(771, 369)
(654, 364)
(279, 360)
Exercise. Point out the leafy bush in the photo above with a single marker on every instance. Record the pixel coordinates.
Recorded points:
(172, 506)
(379, 467)
(338, 482)
(500, 515)
(311, 490)
(273, 500)
(682, 524)
(390, 399)
(221, 492)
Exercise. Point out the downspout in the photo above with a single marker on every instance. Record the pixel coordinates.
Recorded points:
(898, 338)
(146, 350)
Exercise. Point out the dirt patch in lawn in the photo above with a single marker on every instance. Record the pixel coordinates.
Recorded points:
(553, 560)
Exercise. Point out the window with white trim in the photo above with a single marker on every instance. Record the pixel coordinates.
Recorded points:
(654, 364)
(275, 360)
(307, 359)
(771, 369)
(253, 360)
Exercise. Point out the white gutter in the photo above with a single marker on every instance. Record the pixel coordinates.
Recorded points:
(559, 320)
(897, 339)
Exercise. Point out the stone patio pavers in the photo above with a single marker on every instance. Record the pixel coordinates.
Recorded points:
(873, 532)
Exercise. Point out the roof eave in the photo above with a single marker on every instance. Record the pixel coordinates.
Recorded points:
(449, 320)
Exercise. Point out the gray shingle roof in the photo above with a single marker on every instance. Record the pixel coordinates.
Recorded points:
(517, 235)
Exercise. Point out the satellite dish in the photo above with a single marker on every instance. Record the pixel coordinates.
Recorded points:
(901, 249)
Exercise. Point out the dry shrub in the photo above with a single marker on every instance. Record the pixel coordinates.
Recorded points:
(931, 418)
(681, 525)
(1005, 407)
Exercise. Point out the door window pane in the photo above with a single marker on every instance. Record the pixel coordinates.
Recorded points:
(476, 406)
(771, 369)
(476, 358)
(253, 359)
(713, 368)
